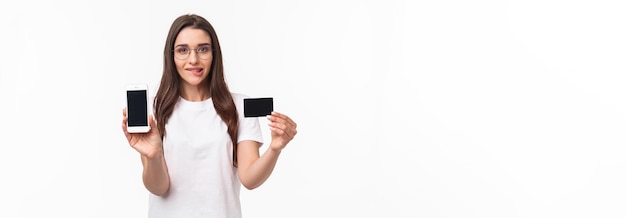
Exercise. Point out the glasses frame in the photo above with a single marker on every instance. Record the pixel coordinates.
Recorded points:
(193, 50)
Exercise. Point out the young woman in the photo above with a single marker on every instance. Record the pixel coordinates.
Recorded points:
(201, 148)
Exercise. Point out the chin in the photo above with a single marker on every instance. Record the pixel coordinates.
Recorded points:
(196, 81)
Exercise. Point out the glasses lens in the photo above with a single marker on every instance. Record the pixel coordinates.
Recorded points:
(204, 52)
(181, 52)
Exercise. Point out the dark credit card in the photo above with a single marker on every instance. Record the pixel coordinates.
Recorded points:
(258, 107)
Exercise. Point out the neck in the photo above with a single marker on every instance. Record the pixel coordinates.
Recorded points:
(195, 93)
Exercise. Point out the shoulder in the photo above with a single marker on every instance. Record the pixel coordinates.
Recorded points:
(237, 97)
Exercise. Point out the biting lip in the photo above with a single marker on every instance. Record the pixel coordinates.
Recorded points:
(194, 69)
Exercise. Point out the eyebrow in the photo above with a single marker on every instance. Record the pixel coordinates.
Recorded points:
(186, 45)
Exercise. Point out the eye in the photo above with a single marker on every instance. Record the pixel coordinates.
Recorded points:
(204, 49)
(182, 50)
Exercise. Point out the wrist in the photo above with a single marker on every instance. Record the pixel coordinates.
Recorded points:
(275, 148)
(155, 155)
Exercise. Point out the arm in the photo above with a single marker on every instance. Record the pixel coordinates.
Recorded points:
(254, 169)
(155, 176)
(149, 145)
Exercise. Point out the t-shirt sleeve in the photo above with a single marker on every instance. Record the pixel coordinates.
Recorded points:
(249, 127)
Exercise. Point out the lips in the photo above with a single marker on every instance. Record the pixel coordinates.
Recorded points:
(195, 71)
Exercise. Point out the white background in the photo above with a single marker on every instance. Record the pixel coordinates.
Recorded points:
(404, 108)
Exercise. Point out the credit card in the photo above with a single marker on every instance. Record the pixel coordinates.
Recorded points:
(258, 107)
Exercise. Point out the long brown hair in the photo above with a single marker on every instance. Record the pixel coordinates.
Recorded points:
(170, 89)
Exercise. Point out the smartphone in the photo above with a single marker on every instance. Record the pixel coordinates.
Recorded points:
(137, 108)
(257, 107)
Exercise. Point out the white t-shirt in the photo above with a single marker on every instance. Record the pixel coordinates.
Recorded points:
(199, 157)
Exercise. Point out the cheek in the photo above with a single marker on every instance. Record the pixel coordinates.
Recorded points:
(208, 63)
(179, 65)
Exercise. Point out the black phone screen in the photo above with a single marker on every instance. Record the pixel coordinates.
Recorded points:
(137, 110)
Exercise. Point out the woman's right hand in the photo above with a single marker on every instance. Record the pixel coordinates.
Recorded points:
(147, 144)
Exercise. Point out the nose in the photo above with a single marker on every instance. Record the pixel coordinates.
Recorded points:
(193, 57)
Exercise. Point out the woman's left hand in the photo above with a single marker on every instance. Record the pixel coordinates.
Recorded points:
(283, 130)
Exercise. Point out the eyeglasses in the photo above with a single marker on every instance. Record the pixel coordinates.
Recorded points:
(203, 52)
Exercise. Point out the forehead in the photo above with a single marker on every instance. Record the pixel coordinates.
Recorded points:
(191, 36)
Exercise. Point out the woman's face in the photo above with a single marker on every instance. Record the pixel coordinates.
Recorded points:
(193, 56)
